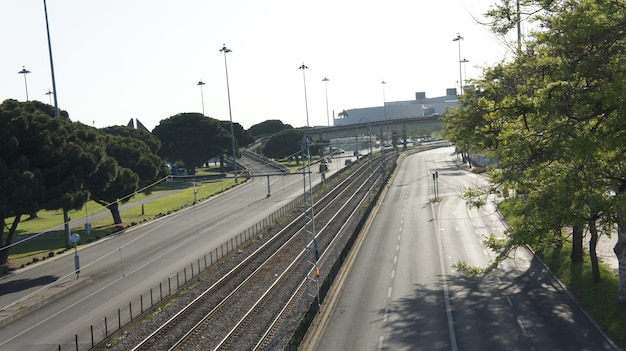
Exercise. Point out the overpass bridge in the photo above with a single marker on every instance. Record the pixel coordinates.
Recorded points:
(402, 129)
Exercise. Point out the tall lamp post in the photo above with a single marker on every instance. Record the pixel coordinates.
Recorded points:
(464, 61)
(54, 86)
(384, 99)
(458, 39)
(49, 93)
(225, 50)
(201, 83)
(325, 80)
(308, 206)
(24, 71)
(306, 104)
(66, 214)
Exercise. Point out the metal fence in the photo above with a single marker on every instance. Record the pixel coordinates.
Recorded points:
(138, 309)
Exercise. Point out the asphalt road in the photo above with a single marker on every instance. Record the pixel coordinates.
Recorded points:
(122, 267)
(401, 292)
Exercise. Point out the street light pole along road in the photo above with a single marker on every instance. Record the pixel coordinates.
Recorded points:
(24, 71)
(225, 50)
(458, 39)
(311, 242)
(201, 83)
(49, 93)
(325, 80)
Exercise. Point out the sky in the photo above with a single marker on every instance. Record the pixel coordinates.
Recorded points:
(116, 60)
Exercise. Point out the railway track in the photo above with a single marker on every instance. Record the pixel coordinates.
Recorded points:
(252, 305)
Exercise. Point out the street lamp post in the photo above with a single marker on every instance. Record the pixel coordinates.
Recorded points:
(49, 93)
(325, 80)
(464, 61)
(24, 71)
(54, 86)
(384, 99)
(458, 39)
(66, 214)
(225, 50)
(382, 134)
(201, 83)
(308, 206)
(306, 104)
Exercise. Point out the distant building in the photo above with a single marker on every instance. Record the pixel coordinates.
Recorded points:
(139, 125)
(420, 107)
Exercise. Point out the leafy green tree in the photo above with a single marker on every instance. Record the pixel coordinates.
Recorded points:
(554, 119)
(150, 139)
(284, 144)
(268, 127)
(43, 163)
(192, 138)
(242, 136)
(130, 165)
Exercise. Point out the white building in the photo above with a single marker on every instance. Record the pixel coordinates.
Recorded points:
(420, 107)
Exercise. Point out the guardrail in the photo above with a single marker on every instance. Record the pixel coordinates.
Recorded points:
(267, 161)
(112, 325)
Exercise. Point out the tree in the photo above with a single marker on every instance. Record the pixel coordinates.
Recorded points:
(268, 127)
(130, 165)
(284, 144)
(43, 163)
(148, 138)
(191, 138)
(554, 119)
(242, 136)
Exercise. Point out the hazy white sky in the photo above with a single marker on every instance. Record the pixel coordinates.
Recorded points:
(121, 59)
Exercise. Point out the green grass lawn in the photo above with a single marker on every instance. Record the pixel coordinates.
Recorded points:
(598, 299)
(43, 245)
(292, 165)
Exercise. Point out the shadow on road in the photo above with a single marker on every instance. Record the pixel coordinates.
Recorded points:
(504, 310)
(23, 284)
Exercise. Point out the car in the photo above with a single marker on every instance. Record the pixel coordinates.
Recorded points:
(348, 162)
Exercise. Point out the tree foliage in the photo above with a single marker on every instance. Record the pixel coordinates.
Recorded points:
(50, 163)
(555, 120)
(130, 165)
(148, 138)
(192, 138)
(284, 144)
(43, 163)
(242, 136)
(268, 127)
